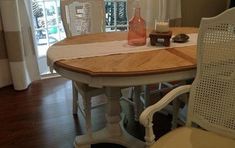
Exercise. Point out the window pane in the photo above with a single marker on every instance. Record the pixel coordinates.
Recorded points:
(116, 15)
(109, 13)
(38, 15)
(48, 28)
(50, 8)
(121, 13)
(41, 36)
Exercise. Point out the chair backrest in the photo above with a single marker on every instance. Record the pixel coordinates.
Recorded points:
(83, 16)
(212, 97)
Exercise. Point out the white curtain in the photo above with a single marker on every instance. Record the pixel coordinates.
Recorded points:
(156, 9)
(20, 57)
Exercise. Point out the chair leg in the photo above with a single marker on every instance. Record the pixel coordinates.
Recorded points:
(131, 93)
(146, 96)
(75, 99)
(138, 107)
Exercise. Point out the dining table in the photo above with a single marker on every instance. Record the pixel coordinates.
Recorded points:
(121, 66)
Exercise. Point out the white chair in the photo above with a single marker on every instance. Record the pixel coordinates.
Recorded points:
(82, 17)
(211, 106)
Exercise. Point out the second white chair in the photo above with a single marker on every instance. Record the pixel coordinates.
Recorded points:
(83, 17)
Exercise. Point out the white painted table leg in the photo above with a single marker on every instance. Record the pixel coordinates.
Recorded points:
(87, 110)
(114, 132)
(113, 111)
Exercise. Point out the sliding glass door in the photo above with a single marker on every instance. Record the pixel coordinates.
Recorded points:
(48, 28)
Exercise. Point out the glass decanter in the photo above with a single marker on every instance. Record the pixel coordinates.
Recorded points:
(137, 28)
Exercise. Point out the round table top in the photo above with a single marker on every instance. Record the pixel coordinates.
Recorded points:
(130, 64)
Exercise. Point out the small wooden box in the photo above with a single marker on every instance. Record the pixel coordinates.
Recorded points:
(160, 37)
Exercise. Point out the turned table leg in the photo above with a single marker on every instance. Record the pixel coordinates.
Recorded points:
(113, 110)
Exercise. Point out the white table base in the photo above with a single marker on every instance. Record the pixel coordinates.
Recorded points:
(104, 136)
(114, 131)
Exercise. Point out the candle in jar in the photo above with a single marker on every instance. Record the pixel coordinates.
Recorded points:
(161, 26)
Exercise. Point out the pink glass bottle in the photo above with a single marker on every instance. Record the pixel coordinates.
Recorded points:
(137, 28)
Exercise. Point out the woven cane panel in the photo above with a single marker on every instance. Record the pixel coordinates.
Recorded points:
(214, 94)
(80, 22)
(83, 16)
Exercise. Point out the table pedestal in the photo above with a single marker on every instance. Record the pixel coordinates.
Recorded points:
(114, 131)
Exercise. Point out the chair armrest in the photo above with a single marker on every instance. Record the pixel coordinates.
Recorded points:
(147, 115)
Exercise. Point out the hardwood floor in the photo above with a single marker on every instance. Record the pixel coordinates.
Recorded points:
(41, 117)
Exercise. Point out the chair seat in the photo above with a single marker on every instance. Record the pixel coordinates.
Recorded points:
(186, 137)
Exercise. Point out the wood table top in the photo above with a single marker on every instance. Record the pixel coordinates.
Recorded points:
(130, 64)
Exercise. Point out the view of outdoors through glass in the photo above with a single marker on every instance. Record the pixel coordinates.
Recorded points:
(116, 15)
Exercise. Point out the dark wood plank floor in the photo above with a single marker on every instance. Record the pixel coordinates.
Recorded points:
(41, 117)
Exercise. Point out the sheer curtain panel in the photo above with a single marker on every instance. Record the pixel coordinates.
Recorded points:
(17, 53)
(156, 9)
